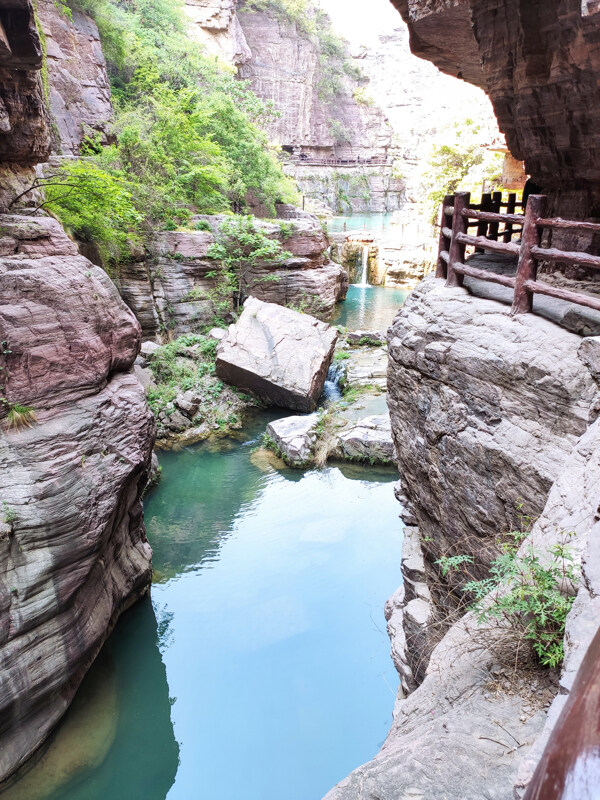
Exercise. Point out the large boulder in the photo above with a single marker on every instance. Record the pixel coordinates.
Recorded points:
(294, 438)
(280, 355)
(369, 440)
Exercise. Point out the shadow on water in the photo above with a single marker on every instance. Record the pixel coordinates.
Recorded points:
(117, 739)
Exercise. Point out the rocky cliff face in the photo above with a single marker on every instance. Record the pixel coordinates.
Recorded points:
(24, 122)
(491, 424)
(79, 91)
(73, 551)
(539, 64)
(75, 437)
(214, 23)
(169, 288)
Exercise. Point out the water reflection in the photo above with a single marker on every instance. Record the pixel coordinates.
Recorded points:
(117, 739)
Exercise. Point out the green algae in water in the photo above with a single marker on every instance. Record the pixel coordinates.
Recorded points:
(261, 671)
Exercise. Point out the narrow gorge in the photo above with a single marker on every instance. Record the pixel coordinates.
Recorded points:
(262, 414)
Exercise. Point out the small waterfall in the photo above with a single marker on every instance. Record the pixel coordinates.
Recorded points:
(332, 390)
(364, 281)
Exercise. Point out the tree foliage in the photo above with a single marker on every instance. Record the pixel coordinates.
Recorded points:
(188, 134)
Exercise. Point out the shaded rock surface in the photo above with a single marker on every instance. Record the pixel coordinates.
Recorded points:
(73, 550)
(539, 65)
(278, 354)
(80, 101)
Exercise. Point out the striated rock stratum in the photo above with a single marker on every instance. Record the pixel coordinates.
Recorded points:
(73, 549)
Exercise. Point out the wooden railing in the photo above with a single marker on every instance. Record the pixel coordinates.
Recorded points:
(458, 216)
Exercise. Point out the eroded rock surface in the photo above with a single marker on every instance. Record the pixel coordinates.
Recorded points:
(169, 288)
(278, 354)
(80, 101)
(73, 550)
(295, 438)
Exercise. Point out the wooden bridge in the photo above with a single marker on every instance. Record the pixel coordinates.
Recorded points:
(496, 232)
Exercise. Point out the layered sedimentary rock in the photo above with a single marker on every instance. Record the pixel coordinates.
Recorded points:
(73, 551)
(24, 123)
(169, 288)
(278, 354)
(539, 63)
(286, 68)
(79, 94)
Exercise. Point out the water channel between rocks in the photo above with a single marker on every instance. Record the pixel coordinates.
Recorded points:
(260, 670)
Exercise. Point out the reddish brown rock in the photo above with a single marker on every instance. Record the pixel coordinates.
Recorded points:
(24, 126)
(73, 550)
(540, 64)
(79, 88)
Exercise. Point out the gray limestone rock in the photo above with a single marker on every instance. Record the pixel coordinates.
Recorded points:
(278, 354)
(370, 439)
(295, 437)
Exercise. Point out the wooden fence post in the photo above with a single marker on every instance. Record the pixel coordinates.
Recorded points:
(527, 268)
(482, 229)
(496, 208)
(457, 250)
(445, 222)
(512, 205)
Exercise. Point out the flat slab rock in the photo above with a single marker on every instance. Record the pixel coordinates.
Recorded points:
(280, 355)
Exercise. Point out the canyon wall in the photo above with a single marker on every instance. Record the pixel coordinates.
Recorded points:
(539, 63)
(79, 90)
(495, 425)
(75, 438)
(169, 288)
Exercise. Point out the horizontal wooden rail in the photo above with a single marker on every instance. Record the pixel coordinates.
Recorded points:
(511, 248)
(569, 224)
(490, 216)
(485, 275)
(459, 215)
(565, 257)
(563, 294)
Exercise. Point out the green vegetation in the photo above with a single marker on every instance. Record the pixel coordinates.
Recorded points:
(460, 164)
(188, 136)
(528, 592)
(19, 416)
(9, 515)
(240, 246)
(188, 364)
(341, 355)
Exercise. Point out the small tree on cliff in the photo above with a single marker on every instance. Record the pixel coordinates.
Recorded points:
(240, 247)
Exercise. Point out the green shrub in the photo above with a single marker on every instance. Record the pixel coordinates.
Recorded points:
(530, 591)
(97, 207)
(19, 416)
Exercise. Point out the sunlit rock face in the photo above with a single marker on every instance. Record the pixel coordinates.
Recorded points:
(215, 25)
(79, 90)
(540, 63)
(285, 68)
(73, 550)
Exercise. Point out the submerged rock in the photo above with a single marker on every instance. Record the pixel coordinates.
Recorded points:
(73, 548)
(280, 355)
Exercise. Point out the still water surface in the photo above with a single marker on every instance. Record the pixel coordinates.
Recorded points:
(261, 669)
(354, 223)
(369, 308)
